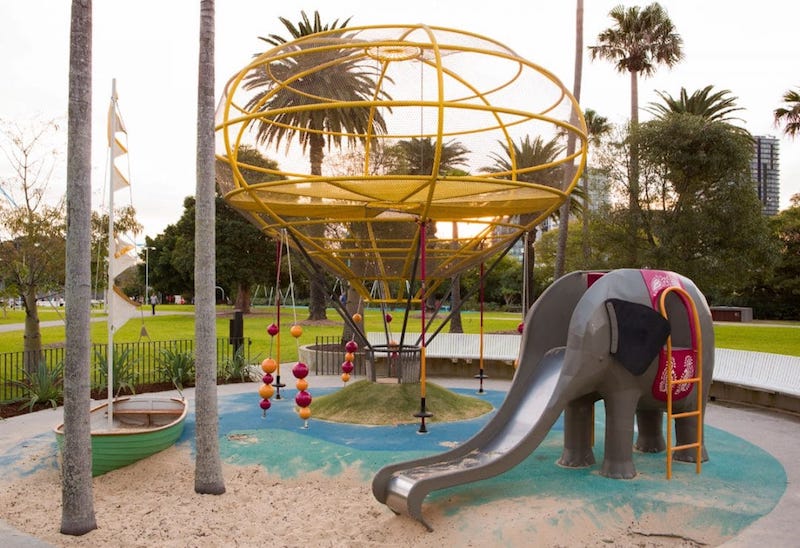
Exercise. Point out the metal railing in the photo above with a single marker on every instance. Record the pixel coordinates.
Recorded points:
(143, 359)
(329, 354)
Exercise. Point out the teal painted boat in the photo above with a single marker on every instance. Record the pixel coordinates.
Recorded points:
(140, 426)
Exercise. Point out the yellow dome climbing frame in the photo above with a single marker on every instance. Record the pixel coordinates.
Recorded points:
(340, 192)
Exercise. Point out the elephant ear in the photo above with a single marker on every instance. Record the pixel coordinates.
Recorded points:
(637, 334)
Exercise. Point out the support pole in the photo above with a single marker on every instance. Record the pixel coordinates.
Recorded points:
(423, 412)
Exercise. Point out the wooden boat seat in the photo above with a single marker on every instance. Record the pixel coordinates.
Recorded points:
(146, 417)
(149, 412)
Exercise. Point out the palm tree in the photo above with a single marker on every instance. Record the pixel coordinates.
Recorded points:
(529, 153)
(208, 477)
(563, 227)
(715, 107)
(77, 506)
(596, 128)
(789, 115)
(640, 40)
(354, 81)
(417, 156)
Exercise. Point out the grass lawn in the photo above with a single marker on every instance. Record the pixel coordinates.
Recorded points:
(177, 322)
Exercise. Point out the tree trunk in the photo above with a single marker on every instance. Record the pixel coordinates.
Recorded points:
(529, 260)
(585, 222)
(317, 296)
(633, 198)
(242, 302)
(455, 301)
(353, 305)
(208, 477)
(32, 340)
(569, 172)
(455, 292)
(77, 505)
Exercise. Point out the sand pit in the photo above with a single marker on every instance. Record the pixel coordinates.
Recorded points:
(152, 503)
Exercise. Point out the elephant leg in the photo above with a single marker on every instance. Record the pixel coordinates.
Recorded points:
(651, 431)
(618, 457)
(578, 430)
(686, 434)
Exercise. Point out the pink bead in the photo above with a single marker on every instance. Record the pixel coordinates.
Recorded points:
(351, 346)
(347, 367)
(520, 327)
(303, 399)
(265, 404)
(388, 318)
(300, 371)
(272, 330)
(267, 379)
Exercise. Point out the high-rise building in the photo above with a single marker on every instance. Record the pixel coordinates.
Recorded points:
(765, 170)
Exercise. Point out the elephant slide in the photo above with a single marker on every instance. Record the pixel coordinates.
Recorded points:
(589, 336)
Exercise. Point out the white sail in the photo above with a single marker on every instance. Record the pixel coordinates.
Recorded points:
(121, 254)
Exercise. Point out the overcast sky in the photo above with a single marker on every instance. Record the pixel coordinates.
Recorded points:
(150, 47)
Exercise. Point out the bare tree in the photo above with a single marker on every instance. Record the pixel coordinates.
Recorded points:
(77, 506)
(32, 256)
(208, 477)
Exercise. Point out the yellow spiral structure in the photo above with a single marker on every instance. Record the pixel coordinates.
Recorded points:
(356, 210)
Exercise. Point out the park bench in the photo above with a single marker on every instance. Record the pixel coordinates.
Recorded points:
(771, 373)
(461, 346)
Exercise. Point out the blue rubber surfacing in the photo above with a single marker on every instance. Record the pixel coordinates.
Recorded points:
(739, 484)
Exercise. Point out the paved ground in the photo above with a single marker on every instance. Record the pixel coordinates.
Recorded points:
(777, 434)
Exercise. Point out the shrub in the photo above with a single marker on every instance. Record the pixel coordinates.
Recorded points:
(123, 371)
(42, 386)
(177, 367)
(236, 367)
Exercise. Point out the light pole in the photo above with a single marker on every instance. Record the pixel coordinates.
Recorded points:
(147, 272)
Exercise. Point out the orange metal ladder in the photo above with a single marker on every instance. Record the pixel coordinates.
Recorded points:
(697, 380)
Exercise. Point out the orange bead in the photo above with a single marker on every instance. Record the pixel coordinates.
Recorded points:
(345, 377)
(357, 317)
(296, 331)
(305, 413)
(266, 391)
(349, 357)
(269, 365)
(301, 384)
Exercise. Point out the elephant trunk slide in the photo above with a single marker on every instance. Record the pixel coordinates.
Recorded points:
(522, 422)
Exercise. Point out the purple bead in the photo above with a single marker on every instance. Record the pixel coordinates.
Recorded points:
(351, 346)
(272, 330)
(347, 367)
(265, 404)
(267, 379)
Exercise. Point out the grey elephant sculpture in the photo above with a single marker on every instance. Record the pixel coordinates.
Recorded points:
(589, 336)
(615, 346)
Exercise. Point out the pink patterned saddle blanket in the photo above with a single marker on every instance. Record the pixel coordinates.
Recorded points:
(684, 362)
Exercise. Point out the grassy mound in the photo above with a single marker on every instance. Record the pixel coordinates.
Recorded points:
(366, 402)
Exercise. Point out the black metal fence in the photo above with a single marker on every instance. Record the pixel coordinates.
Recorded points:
(142, 357)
